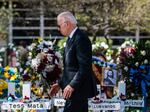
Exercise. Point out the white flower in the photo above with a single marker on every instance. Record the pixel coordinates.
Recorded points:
(130, 80)
(137, 64)
(119, 50)
(127, 108)
(93, 46)
(128, 43)
(49, 68)
(17, 53)
(28, 63)
(126, 68)
(35, 63)
(11, 45)
(40, 90)
(30, 54)
(132, 94)
(25, 71)
(143, 53)
(32, 46)
(56, 62)
(108, 57)
(17, 64)
(118, 60)
(20, 69)
(58, 54)
(103, 44)
(64, 44)
(1, 59)
(41, 55)
(45, 50)
(145, 61)
(2, 49)
(123, 45)
(97, 44)
(49, 57)
(29, 57)
(111, 61)
(48, 43)
(14, 49)
(133, 45)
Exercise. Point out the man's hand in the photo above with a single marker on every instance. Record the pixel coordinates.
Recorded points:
(54, 89)
(67, 92)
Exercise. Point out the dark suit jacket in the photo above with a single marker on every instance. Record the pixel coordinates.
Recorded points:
(78, 67)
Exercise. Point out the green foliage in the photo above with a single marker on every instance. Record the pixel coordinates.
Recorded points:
(61, 43)
(5, 15)
(101, 16)
(4, 19)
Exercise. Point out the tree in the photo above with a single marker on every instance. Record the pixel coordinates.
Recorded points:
(4, 22)
(101, 17)
(138, 16)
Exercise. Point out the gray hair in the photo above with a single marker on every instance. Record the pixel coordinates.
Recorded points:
(68, 16)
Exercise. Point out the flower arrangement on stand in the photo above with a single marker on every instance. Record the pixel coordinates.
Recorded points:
(40, 63)
(135, 63)
(10, 75)
(43, 66)
(103, 60)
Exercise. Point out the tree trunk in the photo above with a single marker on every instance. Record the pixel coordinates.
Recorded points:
(137, 33)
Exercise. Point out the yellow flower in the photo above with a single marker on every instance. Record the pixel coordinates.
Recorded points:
(7, 68)
(21, 83)
(6, 75)
(40, 39)
(13, 77)
(30, 53)
(15, 69)
(32, 111)
(1, 93)
(3, 84)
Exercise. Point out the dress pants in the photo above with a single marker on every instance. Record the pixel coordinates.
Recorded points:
(76, 106)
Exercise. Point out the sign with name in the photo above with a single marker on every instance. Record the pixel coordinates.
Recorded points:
(104, 106)
(134, 103)
(19, 105)
(59, 102)
(127, 103)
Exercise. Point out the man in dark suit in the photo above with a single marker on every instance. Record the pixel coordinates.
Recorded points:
(77, 82)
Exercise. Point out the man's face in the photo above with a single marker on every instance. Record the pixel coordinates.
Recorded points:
(62, 26)
(110, 74)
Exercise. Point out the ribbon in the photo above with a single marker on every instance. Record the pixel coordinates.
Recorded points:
(102, 63)
(141, 77)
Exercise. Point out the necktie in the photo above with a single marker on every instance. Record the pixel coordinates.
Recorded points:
(68, 40)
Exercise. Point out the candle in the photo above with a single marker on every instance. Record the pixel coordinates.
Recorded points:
(99, 90)
(26, 91)
(11, 88)
(122, 88)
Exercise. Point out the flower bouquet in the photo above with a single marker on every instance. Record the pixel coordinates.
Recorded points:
(44, 66)
(135, 64)
(47, 63)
